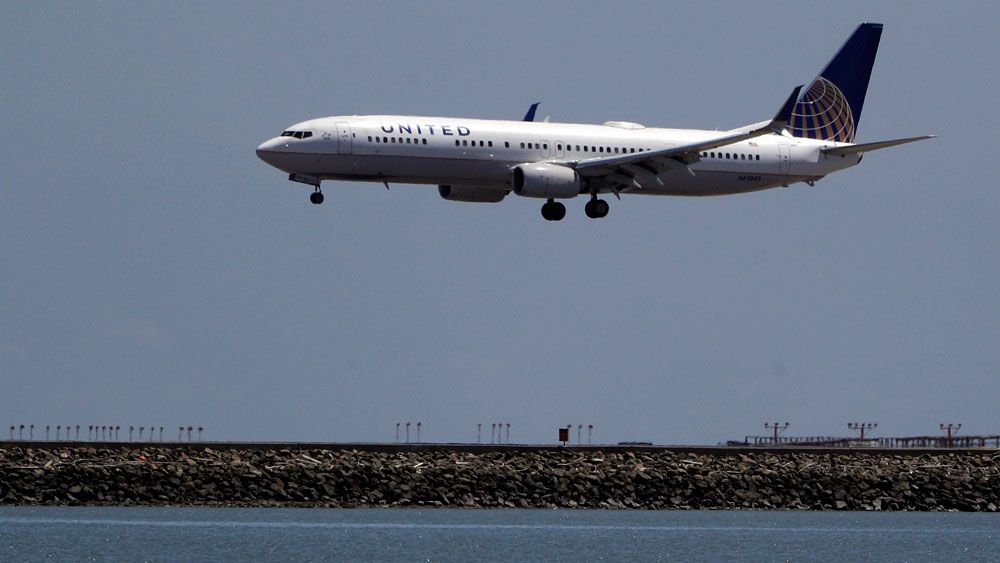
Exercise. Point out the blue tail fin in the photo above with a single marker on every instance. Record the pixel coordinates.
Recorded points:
(831, 108)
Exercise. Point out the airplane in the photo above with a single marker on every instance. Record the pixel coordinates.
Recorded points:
(475, 160)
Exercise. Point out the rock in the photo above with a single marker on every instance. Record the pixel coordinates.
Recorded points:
(650, 480)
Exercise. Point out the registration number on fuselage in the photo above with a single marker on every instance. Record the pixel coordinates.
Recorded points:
(748, 178)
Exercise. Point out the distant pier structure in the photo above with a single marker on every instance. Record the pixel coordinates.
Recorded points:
(949, 439)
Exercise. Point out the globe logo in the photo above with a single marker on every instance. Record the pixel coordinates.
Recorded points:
(823, 113)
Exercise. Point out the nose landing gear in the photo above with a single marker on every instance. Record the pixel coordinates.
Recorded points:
(552, 210)
(316, 197)
(596, 208)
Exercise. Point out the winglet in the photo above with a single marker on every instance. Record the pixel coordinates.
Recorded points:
(530, 116)
(784, 114)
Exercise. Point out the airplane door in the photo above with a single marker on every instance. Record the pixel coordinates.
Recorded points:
(346, 140)
(784, 158)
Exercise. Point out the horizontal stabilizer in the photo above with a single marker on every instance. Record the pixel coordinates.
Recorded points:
(868, 147)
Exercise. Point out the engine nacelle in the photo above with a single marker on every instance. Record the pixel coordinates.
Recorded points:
(475, 194)
(545, 180)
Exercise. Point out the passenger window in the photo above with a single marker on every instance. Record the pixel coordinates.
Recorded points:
(457, 142)
(480, 143)
(545, 146)
(489, 143)
(584, 148)
(369, 138)
(522, 145)
(758, 157)
(408, 141)
(616, 150)
(506, 144)
(425, 141)
(558, 147)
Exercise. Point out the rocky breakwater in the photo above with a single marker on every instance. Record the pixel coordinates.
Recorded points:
(524, 479)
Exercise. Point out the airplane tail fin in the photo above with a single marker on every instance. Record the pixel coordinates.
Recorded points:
(830, 108)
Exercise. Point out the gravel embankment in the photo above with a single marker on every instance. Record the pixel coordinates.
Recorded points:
(548, 479)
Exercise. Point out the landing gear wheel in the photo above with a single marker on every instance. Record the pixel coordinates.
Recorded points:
(553, 211)
(316, 197)
(596, 208)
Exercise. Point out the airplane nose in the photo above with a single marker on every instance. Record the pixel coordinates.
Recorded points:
(269, 151)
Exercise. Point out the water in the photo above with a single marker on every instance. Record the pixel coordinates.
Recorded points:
(160, 534)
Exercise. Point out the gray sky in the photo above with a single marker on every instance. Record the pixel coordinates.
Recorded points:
(155, 272)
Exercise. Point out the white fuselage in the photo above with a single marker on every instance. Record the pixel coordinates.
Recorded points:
(475, 152)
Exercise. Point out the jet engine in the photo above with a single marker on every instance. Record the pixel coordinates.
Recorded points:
(545, 181)
(471, 193)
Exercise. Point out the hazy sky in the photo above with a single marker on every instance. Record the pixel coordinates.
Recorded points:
(156, 272)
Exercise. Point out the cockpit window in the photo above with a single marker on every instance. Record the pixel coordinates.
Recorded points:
(298, 134)
(287, 134)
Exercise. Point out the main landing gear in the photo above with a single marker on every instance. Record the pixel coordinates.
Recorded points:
(316, 197)
(552, 210)
(596, 208)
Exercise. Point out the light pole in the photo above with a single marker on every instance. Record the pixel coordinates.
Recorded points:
(777, 428)
(407, 432)
(479, 432)
(949, 428)
(507, 439)
(418, 431)
(860, 427)
(493, 431)
(397, 432)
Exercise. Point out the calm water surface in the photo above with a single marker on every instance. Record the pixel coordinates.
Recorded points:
(163, 534)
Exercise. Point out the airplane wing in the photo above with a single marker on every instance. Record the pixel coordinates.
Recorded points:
(633, 167)
(868, 147)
